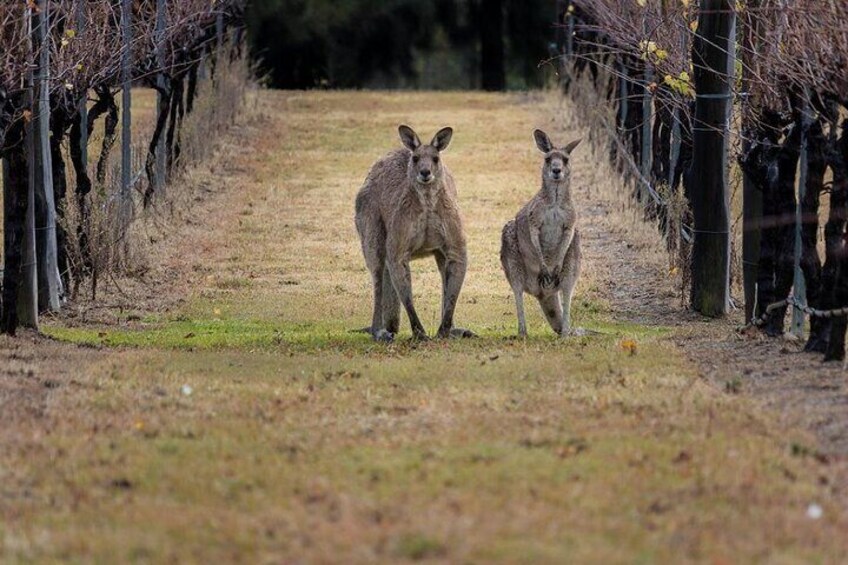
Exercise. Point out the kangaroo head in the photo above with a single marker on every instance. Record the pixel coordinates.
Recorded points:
(425, 165)
(556, 167)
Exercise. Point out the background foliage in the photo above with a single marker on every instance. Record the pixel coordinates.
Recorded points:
(426, 44)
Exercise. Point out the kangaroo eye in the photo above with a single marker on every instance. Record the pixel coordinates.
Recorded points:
(548, 160)
(435, 159)
(415, 158)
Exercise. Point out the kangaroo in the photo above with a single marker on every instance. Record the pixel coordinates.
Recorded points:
(540, 248)
(407, 210)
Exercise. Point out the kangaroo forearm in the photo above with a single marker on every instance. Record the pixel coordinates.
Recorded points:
(568, 240)
(536, 247)
(530, 233)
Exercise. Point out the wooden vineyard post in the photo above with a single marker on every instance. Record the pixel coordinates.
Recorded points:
(647, 152)
(752, 198)
(126, 109)
(47, 254)
(709, 174)
(799, 286)
(161, 102)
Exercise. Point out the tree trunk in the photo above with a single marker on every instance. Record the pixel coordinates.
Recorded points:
(810, 261)
(711, 251)
(173, 142)
(58, 129)
(835, 270)
(779, 212)
(492, 56)
(635, 117)
(191, 95)
(79, 159)
(105, 104)
(156, 150)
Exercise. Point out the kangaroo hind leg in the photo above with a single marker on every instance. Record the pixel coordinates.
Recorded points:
(453, 275)
(568, 277)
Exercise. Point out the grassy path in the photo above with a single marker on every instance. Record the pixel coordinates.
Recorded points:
(250, 424)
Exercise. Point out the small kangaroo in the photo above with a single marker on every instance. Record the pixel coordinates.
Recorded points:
(540, 248)
(407, 210)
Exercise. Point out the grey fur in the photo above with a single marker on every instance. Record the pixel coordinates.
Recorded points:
(407, 210)
(540, 248)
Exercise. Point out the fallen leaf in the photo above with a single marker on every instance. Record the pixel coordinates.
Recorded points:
(629, 345)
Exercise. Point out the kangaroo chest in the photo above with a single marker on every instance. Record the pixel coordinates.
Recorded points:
(554, 225)
(429, 230)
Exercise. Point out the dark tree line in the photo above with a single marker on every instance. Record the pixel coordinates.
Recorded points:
(494, 44)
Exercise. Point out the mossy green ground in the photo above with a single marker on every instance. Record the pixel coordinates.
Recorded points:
(253, 426)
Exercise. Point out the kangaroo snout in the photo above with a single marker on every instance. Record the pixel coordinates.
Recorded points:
(425, 176)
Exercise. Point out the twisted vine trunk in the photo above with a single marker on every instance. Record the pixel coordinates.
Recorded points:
(810, 262)
(59, 123)
(176, 117)
(83, 188)
(771, 166)
(835, 285)
(191, 95)
(153, 180)
(105, 105)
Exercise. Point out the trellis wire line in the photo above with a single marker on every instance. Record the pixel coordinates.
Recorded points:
(794, 303)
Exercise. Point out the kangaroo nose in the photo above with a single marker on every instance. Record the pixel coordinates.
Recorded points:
(556, 172)
(425, 173)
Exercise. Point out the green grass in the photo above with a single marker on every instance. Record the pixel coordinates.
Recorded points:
(223, 332)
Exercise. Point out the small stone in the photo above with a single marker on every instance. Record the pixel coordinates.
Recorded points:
(186, 390)
(814, 512)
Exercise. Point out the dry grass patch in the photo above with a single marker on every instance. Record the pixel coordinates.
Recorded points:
(249, 424)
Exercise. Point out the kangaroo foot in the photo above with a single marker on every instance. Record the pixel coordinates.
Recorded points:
(420, 336)
(577, 332)
(384, 336)
(455, 333)
(459, 333)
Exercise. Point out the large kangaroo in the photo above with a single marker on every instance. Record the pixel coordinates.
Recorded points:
(540, 248)
(407, 210)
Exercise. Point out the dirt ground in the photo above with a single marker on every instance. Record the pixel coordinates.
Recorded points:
(215, 406)
(797, 387)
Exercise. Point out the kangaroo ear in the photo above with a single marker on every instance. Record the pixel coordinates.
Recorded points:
(543, 142)
(409, 138)
(572, 146)
(442, 139)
